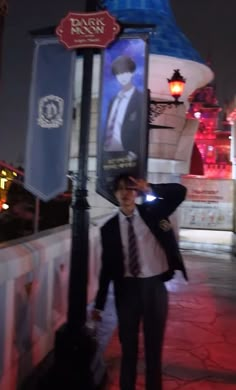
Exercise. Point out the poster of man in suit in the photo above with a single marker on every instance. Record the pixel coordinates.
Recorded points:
(122, 129)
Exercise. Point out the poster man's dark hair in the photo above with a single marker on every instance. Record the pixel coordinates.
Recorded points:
(123, 64)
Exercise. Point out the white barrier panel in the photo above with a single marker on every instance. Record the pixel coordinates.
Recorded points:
(33, 299)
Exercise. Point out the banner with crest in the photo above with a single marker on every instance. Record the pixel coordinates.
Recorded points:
(50, 119)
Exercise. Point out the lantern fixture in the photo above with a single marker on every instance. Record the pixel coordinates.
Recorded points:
(157, 107)
(176, 84)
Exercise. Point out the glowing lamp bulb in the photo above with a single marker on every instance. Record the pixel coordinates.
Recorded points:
(176, 84)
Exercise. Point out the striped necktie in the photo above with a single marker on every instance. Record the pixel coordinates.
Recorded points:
(134, 266)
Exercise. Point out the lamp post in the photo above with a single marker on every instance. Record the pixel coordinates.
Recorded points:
(74, 347)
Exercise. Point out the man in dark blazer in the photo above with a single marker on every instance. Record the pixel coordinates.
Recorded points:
(125, 119)
(139, 262)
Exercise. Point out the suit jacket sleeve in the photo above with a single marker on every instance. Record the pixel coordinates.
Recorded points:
(169, 196)
(101, 296)
(104, 281)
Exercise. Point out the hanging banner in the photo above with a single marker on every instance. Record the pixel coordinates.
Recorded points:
(50, 119)
(123, 124)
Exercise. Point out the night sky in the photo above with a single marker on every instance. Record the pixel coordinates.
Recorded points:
(209, 25)
(211, 28)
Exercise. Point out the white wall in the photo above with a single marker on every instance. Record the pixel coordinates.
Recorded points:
(33, 301)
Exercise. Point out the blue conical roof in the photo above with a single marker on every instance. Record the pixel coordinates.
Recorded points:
(168, 39)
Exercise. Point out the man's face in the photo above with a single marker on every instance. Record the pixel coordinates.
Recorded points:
(124, 78)
(126, 195)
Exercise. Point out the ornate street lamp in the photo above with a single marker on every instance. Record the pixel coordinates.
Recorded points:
(157, 107)
(176, 84)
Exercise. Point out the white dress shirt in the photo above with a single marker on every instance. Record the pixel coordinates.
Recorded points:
(115, 144)
(152, 258)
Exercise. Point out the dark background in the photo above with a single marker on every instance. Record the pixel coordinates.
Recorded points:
(211, 28)
(209, 24)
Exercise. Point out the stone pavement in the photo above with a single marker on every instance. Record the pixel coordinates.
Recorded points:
(200, 341)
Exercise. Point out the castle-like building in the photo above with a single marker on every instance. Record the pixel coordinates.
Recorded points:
(212, 146)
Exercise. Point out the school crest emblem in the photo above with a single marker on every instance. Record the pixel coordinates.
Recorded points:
(50, 112)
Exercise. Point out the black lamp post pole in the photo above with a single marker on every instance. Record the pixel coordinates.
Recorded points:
(74, 347)
(77, 298)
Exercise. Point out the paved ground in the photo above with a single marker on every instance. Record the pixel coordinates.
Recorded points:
(200, 342)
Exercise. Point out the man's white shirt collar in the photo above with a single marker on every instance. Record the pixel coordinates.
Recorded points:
(126, 94)
(123, 217)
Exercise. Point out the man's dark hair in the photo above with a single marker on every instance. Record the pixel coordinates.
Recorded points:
(123, 64)
(123, 177)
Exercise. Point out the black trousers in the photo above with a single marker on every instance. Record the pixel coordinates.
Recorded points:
(143, 299)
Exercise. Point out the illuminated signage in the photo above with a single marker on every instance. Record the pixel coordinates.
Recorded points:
(93, 29)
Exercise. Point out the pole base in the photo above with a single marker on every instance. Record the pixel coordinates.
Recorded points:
(77, 361)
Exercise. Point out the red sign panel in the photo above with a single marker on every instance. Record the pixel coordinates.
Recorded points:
(93, 29)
